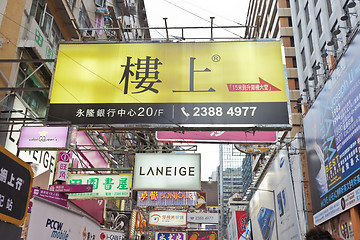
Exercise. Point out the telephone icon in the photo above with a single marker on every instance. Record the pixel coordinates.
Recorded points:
(187, 115)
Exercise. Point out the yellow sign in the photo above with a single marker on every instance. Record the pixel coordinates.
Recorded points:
(168, 73)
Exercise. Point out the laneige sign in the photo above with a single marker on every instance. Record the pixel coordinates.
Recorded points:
(167, 172)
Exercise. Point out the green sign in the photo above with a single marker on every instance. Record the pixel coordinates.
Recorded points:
(105, 186)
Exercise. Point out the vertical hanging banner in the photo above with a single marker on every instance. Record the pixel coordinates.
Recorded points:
(62, 165)
(202, 84)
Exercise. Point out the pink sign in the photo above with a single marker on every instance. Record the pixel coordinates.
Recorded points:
(62, 165)
(94, 208)
(71, 188)
(51, 196)
(216, 136)
(43, 137)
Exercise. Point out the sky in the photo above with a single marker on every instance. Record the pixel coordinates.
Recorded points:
(197, 13)
(190, 13)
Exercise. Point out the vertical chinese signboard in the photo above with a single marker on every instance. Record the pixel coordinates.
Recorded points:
(232, 84)
(62, 165)
(15, 184)
(104, 186)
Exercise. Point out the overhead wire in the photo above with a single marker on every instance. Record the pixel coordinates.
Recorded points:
(214, 13)
(86, 68)
(194, 14)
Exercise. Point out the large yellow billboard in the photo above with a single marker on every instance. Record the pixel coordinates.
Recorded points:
(166, 83)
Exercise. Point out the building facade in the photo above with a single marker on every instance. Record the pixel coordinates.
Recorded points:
(273, 19)
(30, 32)
(325, 35)
(230, 180)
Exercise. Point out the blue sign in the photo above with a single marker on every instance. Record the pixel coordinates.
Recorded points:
(332, 133)
(170, 236)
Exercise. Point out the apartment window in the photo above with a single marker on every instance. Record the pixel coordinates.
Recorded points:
(289, 21)
(315, 76)
(306, 84)
(300, 31)
(297, 87)
(292, 43)
(303, 58)
(318, 22)
(100, 3)
(288, 3)
(294, 62)
(71, 4)
(297, 6)
(307, 13)
(311, 42)
(41, 13)
(37, 100)
(329, 7)
(84, 20)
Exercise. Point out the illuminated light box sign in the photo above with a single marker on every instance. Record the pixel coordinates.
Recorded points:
(164, 198)
(216, 136)
(167, 172)
(202, 84)
(104, 186)
(16, 179)
(195, 235)
(167, 218)
(43, 137)
(332, 131)
(170, 235)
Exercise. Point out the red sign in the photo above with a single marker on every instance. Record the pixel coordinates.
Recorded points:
(197, 235)
(240, 222)
(262, 86)
(71, 188)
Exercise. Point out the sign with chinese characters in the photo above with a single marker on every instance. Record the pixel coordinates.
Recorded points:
(104, 186)
(167, 218)
(55, 197)
(216, 136)
(43, 137)
(71, 188)
(332, 137)
(240, 217)
(37, 40)
(163, 198)
(170, 235)
(203, 235)
(155, 171)
(62, 165)
(15, 184)
(203, 217)
(202, 84)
